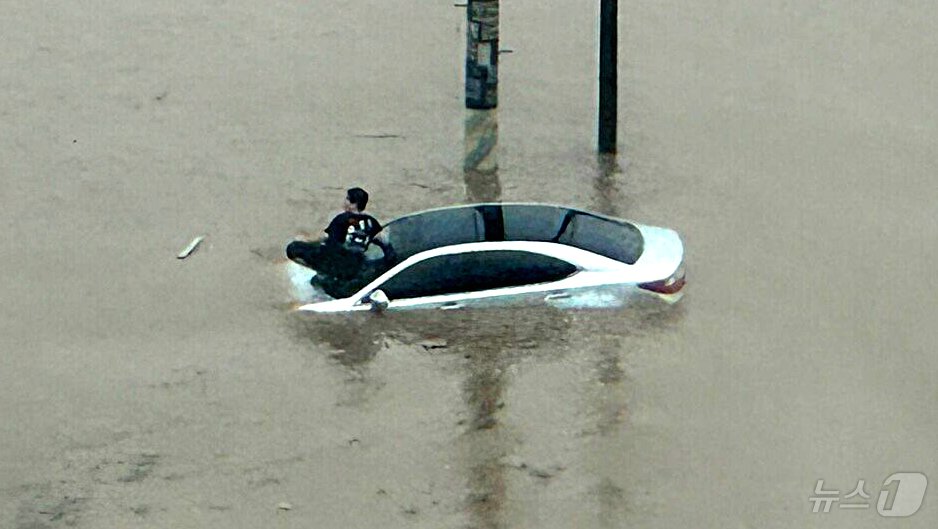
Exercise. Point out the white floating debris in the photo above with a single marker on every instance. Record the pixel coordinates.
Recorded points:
(191, 248)
(284, 506)
(432, 343)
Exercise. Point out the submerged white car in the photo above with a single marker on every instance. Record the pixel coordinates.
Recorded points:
(509, 254)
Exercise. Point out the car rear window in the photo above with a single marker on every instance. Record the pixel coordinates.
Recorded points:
(613, 239)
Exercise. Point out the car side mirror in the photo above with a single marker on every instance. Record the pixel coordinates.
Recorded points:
(379, 300)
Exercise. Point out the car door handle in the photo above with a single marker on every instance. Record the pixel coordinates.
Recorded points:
(452, 306)
(556, 295)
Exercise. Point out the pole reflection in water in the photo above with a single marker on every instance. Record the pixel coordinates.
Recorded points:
(491, 343)
(606, 198)
(608, 403)
(611, 400)
(355, 344)
(481, 348)
(484, 444)
(480, 162)
(610, 407)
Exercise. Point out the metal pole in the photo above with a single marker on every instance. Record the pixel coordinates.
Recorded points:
(482, 54)
(608, 74)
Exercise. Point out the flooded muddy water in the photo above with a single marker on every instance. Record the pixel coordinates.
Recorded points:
(792, 144)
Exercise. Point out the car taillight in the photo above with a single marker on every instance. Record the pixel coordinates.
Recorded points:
(667, 286)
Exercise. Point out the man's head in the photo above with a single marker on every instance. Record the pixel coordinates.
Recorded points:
(356, 199)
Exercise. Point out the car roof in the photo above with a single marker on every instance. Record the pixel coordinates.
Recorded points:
(490, 222)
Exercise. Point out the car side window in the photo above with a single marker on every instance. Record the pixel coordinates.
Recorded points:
(475, 271)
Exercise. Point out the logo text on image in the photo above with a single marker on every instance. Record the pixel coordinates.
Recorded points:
(900, 496)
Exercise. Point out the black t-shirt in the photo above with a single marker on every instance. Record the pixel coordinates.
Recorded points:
(352, 230)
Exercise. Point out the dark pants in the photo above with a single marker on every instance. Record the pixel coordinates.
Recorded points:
(327, 259)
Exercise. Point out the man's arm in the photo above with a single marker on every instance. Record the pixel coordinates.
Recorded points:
(375, 227)
(336, 229)
(389, 255)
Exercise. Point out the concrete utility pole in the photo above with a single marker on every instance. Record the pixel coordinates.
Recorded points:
(480, 165)
(482, 54)
(608, 74)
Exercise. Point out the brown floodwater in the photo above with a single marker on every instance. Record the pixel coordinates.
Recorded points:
(791, 143)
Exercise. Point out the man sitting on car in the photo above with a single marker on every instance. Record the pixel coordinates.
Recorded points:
(341, 254)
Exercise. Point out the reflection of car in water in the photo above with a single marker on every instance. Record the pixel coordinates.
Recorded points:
(510, 254)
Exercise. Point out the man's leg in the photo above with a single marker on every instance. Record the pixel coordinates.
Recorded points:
(323, 258)
(346, 265)
(305, 253)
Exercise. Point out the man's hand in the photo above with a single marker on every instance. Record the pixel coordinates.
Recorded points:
(389, 255)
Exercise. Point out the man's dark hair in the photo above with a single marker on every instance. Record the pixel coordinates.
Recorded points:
(358, 196)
